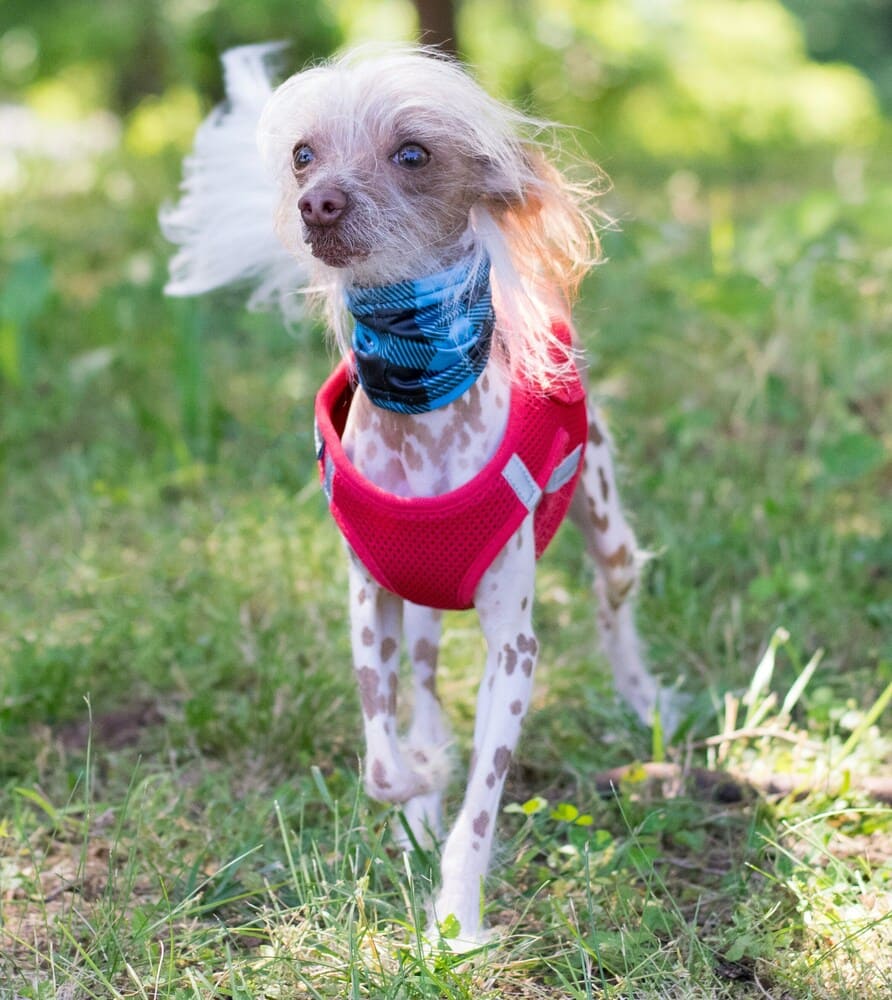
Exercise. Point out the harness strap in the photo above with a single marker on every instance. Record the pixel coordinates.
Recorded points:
(515, 472)
(528, 491)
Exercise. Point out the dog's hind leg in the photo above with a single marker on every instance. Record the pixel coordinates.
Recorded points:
(597, 511)
(504, 601)
(375, 622)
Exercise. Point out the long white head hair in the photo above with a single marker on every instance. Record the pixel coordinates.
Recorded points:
(538, 228)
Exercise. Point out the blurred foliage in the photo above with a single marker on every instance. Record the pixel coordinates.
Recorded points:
(702, 81)
(853, 31)
(130, 50)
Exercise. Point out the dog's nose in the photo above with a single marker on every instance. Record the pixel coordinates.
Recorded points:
(323, 206)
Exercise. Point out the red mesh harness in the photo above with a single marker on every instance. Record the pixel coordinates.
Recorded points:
(434, 550)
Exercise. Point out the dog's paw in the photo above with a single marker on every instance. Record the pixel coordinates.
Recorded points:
(394, 782)
(450, 933)
(433, 761)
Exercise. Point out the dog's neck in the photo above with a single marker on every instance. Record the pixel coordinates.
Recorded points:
(421, 344)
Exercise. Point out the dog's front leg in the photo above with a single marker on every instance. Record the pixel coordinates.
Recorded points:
(504, 601)
(428, 738)
(375, 620)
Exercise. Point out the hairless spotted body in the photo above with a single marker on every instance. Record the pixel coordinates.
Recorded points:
(406, 196)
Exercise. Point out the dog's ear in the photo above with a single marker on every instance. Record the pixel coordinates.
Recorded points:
(516, 184)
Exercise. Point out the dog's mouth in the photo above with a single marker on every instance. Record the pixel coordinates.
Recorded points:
(329, 245)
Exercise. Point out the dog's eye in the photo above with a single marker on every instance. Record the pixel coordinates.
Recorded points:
(411, 155)
(302, 156)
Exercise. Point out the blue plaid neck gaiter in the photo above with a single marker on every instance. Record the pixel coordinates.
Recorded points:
(420, 344)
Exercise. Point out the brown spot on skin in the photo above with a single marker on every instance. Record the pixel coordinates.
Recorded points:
(481, 824)
(527, 666)
(594, 434)
(393, 471)
(371, 451)
(368, 636)
(527, 644)
(484, 382)
(469, 410)
(368, 680)
(391, 430)
(379, 775)
(362, 596)
(490, 780)
(617, 595)
(498, 561)
(430, 684)
(425, 652)
(476, 845)
(601, 522)
(413, 457)
(619, 558)
(501, 759)
(605, 488)
(524, 603)
(516, 707)
(388, 648)
(510, 654)
(374, 700)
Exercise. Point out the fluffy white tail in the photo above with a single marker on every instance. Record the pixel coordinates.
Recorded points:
(224, 220)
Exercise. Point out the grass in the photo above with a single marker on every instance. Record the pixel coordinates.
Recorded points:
(180, 809)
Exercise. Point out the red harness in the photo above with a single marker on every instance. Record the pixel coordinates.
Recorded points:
(434, 550)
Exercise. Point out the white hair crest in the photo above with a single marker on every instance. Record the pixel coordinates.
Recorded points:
(224, 220)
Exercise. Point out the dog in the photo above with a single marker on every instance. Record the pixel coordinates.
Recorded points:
(429, 222)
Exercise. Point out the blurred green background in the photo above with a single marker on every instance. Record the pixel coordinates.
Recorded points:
(740, 328)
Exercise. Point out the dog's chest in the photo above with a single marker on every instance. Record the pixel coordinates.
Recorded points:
(429, 453)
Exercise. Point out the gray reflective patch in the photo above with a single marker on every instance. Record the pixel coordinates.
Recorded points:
(564, 472)
(519, 479)
(328, 477)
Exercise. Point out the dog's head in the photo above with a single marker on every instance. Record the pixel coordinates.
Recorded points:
(377, 167)
(381, 159)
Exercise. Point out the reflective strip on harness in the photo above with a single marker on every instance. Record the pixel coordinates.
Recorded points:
(327, 477)
(528, 491)
(328, 469)
(564, 472)
(521, 481)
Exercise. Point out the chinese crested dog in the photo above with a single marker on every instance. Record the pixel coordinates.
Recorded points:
(430, 224)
